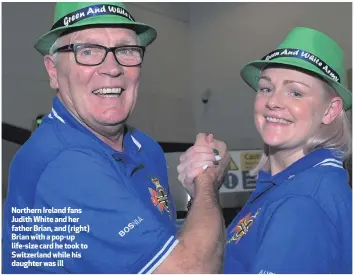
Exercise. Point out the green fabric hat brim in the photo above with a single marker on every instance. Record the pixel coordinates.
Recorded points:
(251, 72)
(146, 33)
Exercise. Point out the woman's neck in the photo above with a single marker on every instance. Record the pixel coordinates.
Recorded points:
(281, 159)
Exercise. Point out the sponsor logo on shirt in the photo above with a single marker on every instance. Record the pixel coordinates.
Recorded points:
(242, 227)
(159, 196)
(130, 226)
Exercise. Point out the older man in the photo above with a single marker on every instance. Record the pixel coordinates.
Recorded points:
(87, 194)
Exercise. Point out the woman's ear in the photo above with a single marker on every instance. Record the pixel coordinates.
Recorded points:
(334, 109)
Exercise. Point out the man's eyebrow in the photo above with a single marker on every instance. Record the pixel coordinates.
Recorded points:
(93, 40)
(127, 41)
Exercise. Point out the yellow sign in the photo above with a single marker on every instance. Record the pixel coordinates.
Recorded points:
(249, 160)
(233, 165)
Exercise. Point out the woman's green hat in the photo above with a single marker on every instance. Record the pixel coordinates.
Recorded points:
(70, 16)
(306, 49)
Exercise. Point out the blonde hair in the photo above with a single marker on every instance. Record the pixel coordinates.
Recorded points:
(336, 135)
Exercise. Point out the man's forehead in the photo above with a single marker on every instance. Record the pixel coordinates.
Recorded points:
(119, 34)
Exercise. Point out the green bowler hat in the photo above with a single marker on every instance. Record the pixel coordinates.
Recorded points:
(70, 16)
(309, 50)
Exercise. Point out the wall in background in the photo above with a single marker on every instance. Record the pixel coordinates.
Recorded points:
(8, 151)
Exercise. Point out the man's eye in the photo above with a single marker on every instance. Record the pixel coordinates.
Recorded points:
(128, 52)
(90, 51)
(87, 52)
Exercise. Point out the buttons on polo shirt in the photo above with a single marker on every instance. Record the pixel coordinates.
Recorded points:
(117, 158)
(131, 164)
(290, 177)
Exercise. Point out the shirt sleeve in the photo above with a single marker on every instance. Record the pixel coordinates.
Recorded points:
(297, 238)
(115, 232)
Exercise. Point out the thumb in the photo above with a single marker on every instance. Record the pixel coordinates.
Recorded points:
(210, 138)
(201, 139)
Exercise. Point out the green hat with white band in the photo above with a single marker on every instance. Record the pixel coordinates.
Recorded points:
(311, 51)
(71, 16)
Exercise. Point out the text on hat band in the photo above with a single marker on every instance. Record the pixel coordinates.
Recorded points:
(91, 11)
(306, 56)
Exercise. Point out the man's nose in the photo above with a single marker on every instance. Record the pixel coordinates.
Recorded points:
(110, 66)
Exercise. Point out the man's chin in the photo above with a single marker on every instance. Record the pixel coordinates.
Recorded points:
(110, 123)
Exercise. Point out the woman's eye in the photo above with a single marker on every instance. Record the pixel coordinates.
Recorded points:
(265, 90)
(296, 94)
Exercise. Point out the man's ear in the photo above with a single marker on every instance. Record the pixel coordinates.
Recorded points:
(52, 71)
(334, 109)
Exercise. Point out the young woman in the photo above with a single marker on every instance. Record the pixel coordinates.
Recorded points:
(299, 218)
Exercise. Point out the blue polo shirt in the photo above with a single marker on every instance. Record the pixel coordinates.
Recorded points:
(112, 212)
(297, 221)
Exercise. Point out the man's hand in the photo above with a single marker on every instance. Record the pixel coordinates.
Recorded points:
(208, 158)
(202, 239)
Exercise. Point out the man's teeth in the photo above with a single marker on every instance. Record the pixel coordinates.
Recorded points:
(277, 120)
(108, 91)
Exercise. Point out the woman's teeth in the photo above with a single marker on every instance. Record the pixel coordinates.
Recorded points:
(277, 120)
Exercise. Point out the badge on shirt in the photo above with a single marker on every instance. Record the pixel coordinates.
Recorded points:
(159, 196)
(243, 227)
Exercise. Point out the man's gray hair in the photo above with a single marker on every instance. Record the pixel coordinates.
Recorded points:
(55, 45)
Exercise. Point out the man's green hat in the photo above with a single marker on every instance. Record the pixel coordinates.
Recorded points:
(71, 16)
(309, 50)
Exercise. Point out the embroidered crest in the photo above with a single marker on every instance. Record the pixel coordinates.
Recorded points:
(243, 227)
(159, 196)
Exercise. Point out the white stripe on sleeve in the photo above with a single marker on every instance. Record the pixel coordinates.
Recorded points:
(160, 256)
(329, 160)
(168, 252)
(331, 164)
